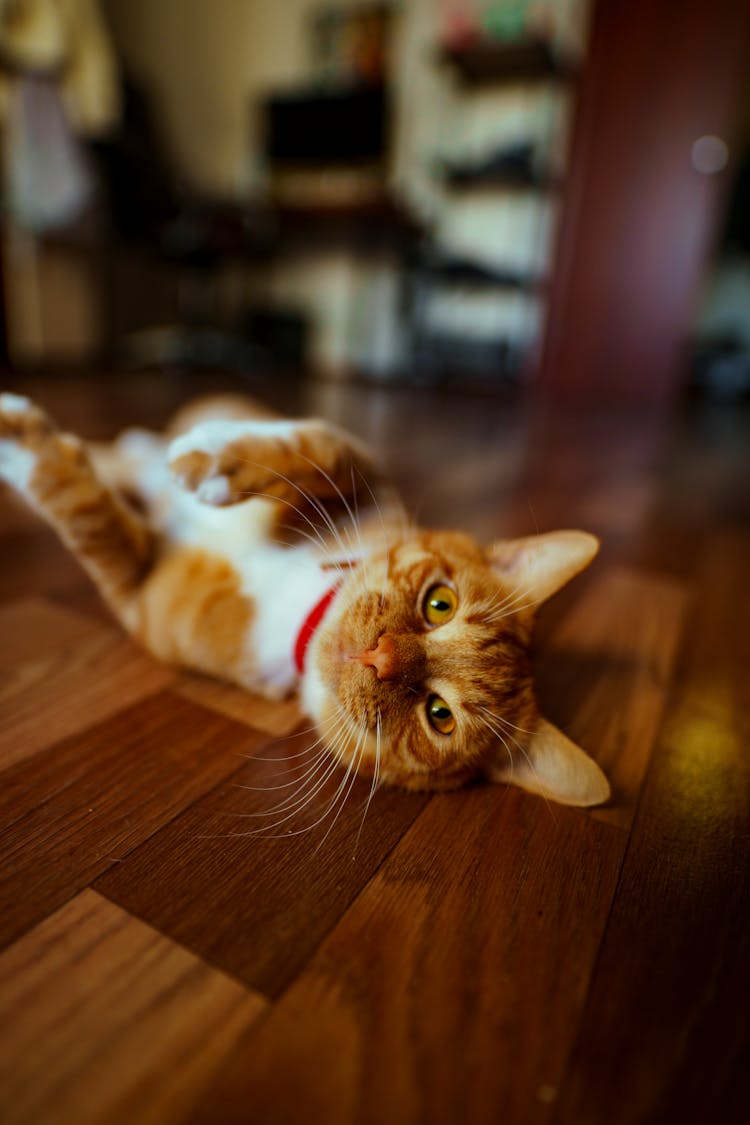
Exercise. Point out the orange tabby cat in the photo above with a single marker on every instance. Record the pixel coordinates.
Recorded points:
(254, 549)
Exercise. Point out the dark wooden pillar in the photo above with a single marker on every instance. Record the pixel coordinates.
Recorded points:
(638, 220)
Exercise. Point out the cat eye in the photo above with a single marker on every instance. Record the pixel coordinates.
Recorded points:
(440, 715)
(439, 605)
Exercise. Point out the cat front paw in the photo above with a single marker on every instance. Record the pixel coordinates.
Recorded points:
(225, 462)
(200, 473)
(228, 462)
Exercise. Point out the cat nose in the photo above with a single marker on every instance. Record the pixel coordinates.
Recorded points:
(383, 658)
(395, 657)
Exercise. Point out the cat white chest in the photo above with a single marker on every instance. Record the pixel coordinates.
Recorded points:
(285, 585)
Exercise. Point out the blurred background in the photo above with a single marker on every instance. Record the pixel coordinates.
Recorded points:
(498, 196)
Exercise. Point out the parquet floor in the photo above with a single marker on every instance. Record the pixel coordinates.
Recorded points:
(471, 957)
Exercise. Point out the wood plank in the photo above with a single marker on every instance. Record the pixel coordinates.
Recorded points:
(61, 673)
(605, 673)
(35, 561)
(104, 1020)
(72, 811)
(274, 718)
(665, 1034)
(450, 991)
(257, 905)
(31, 627)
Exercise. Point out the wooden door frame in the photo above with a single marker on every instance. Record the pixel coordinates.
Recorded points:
(638, 222)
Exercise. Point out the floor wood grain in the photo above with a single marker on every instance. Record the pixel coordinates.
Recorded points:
(103, 1019)
(684, 899)
(62, 673)
(270, 889)
(605, 674)
(175, 947)
(78, 807)
(451, 989)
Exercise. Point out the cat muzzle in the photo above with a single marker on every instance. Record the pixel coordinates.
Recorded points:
(394, 658)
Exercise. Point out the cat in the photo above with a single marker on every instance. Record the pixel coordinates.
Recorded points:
(273, 554)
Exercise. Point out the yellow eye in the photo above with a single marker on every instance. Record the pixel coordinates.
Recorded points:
(440, 715)
(440, 604)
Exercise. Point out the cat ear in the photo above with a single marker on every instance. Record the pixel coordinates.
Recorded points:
(538, 566)
(554, 767)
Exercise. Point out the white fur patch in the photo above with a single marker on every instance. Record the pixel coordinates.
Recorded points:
(16, 464)
(139, 444)
(285, 585)
(313, 692)
(212, 437)
(14, 404)
(214, 491)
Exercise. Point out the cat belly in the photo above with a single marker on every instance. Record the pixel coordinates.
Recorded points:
(273, 587)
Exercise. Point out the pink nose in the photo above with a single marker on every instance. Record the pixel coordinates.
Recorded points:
(383, 658)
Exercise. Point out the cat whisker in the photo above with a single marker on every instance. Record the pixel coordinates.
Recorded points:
(286, 784)
(324, 762)
(375, 777)
(293, 809)
(353, 770)
(386, 540)
(344, 501)
(497, 732)
(513, 606)
(286, 738)
(313, 500)
(508, 603)
(502, 740)
(505, 722)
(309, 828)
(316, 538)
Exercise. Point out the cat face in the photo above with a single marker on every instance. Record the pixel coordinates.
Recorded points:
(420, 673)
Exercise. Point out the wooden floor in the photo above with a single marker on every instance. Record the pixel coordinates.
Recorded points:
(473, 957)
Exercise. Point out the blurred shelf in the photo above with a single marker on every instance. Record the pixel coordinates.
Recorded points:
(505, 180)
(469, 274)
(487, 62)
(378, 221)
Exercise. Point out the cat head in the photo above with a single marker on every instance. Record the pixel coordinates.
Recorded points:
(420, 672)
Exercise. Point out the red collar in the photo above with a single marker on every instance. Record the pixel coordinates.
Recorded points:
(310, 624)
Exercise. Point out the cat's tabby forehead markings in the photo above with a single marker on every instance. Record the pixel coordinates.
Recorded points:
(477, 662)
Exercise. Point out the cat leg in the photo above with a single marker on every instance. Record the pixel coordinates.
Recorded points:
(221, 407)
(53, 472)
(226, 462)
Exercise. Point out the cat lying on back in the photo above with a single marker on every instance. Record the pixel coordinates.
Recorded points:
(254, 549)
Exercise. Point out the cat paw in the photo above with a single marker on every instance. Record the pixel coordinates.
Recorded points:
(200, 473)
(227, 462)
(32, 447)
(22, 422)
(24, 429)
(224, 462)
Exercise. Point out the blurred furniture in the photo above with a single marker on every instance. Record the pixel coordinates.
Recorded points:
(443, 345)
(181, 240)
(341, 239)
